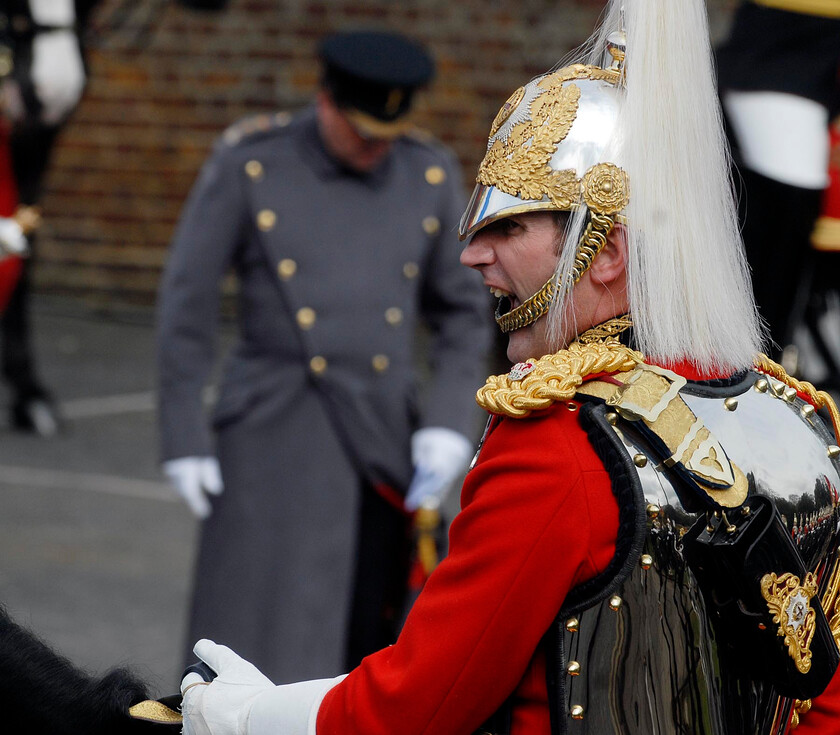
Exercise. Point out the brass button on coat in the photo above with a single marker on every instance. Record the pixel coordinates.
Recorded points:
(435, 175)
(266, 220)
(254, 169)
(305, 317)
(286, 268)
(411, 270)
(318, 365)
(431, 225)
(380, 363)
(394, 316)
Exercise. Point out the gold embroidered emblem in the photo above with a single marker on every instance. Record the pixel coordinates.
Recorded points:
(789, 602)
(605, 188)
(526, 133)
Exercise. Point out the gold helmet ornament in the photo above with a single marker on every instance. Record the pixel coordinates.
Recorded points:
(631, 134)
(548, 150)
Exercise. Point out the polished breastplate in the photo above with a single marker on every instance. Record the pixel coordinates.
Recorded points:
(638, 654)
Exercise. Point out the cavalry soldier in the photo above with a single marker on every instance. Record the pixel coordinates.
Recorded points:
(341, 225)
(648, 535)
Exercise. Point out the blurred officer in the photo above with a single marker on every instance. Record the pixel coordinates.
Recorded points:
(43, 80)
(779, 86)
(341, 226)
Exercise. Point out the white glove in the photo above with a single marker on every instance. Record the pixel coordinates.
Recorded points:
(58, 73)
(12, 239)
(222, 706)
(193, 478)
(440, 456)
(242, 701)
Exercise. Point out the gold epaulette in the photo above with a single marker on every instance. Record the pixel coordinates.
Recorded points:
(538, 383)
(249, 126)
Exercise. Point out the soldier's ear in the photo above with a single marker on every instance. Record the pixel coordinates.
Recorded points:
(610, 266)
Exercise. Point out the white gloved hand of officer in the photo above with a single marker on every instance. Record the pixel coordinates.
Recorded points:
(193, 478)
(243, 701)
(58, 73)
(12, 239)
(440, 456)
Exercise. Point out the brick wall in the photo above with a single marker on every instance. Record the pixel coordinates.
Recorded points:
(165, 81)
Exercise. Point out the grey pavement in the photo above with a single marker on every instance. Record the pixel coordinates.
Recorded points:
(96, 552)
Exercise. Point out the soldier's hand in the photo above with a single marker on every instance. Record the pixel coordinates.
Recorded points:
(194, 478)
(440, 456)
(221, 707)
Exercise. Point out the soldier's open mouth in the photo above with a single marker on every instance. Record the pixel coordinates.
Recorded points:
(506, 301)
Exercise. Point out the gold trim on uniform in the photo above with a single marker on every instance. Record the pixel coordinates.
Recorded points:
(825, 8)
(254, 169)
(431, 225)
(789, 602)
(286, 268)
(266, 219)
(394, 316)
(305, 317)
(435, 175)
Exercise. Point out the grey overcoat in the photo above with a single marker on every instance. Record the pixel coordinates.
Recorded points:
(320, 393)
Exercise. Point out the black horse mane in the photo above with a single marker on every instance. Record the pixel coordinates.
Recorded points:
(43, 693)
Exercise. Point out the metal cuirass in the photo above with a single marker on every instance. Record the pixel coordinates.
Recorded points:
(639, 655)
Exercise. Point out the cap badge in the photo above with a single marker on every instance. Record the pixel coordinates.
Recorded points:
(520, 370)
(392, 104)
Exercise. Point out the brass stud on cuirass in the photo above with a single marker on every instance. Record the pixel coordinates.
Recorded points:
(573, 669)
(572, 625)
(730, 404)
(640, 460)
(576, 712)
(761, 385)
(646, 561)
(615, 602)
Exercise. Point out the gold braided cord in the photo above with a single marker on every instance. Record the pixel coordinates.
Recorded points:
(591, 243)
(528, 311)
(819, 398)
(554, 377)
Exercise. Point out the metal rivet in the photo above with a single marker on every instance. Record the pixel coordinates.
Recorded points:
(653, 510)
(646, 561)
(615, 602)
(435, 175)
(394, 316)
(380, 363)
(266, 219)
(411, 270)
(807, 410)
(730, 404)
(254, 169)
(833, 451)
(761, 385)
(790, 394)
(640, 460)
(612, 418)
(305, 317)
(431, 225)
(572, 625)
(573, 669)
(572, 406)
(777, 389)
(286, 268)
(576, 712)
(318, 364)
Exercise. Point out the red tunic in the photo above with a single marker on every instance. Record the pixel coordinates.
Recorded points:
(538, 518)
